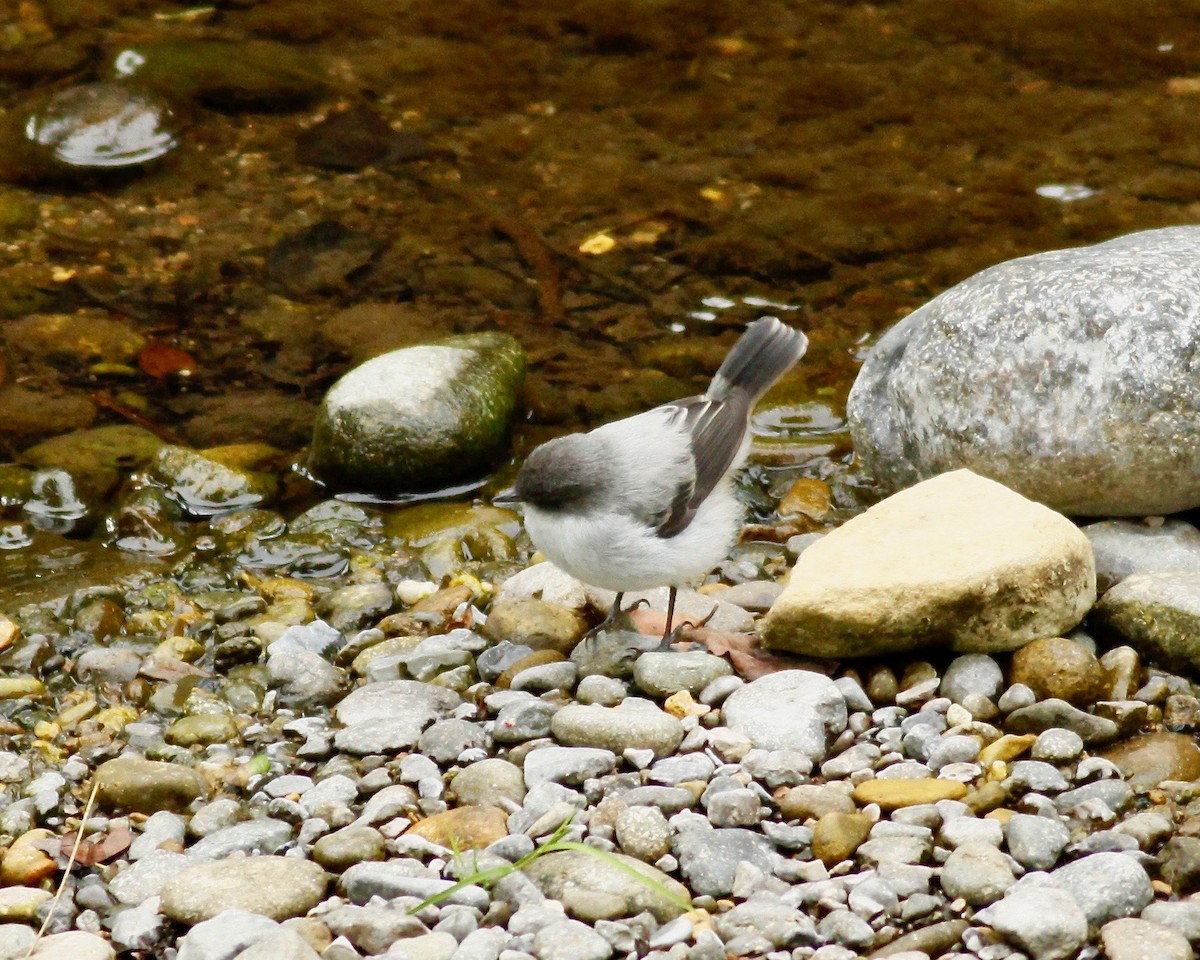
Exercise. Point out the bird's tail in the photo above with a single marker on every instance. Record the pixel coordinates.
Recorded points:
(766, 351)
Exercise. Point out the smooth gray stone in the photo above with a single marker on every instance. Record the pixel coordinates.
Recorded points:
(1068, 375)
(1126, 547)
(1043, 920)
(1036, 842)
(1106, 885)
(708, 859)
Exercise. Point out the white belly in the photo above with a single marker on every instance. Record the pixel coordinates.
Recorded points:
(611, 551)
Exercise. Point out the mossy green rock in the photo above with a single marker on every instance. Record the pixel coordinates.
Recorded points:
(96, 456)
(420, 418)
(249, 75)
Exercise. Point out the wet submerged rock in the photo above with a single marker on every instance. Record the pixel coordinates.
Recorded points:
(248, 75)
(419, 418)
(74, 134)
(204, 486)
(1070, 376)
(958, 561)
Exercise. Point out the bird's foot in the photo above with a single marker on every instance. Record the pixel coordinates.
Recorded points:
(672, 637)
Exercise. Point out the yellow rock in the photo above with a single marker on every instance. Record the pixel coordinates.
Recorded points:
(1008, 747)
(180, 648)
(682, 704)
(837, 835)
(25, 863)
(12, 688)
(894, 794)
(464, 828)
(79, 711)
(115, 718)
(806, 497)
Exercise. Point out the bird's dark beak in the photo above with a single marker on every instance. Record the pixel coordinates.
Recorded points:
(506, 498)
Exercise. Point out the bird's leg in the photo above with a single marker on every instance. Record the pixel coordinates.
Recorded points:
(670, 612)
(613, 613)
(672, 636)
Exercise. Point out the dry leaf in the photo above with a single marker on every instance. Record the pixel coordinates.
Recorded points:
(91, 852)
(158, 360)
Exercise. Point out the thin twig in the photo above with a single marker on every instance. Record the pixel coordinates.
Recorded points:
(62, 885)
(109, 402)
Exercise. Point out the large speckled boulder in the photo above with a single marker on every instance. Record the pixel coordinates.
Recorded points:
(1072, 376)
(419, 418)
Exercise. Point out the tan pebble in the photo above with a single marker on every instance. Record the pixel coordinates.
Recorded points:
(464, 828)
(807, 497)
(25, 863)
(1008, 747)
(12, 688)
(1058, 667)
(535, 659)
(836, 836)
(1151, 758)
(9, 632)
(987, 797)
(894, 794)
(682, 704)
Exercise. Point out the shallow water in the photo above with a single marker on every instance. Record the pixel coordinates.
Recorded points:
(622, 185)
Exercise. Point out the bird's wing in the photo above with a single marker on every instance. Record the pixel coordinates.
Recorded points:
(715, 431)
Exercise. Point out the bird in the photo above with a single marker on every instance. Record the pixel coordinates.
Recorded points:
(648, 501)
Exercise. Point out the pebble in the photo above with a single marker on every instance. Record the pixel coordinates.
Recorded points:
(1043, 920)
(280, 944)
(972, 674)
(1057, 745)
(637, 724)
(598, 890)
(72, 945)
(572, 765)
(225, 934)
(1046, 714)
(662, 674)
(1036, 842)
(1127, 547)
(788, 710)
(708, 859)
(343, 848)
(1182, 916)
(837, 835)
(978, 872)
(1106, 886)
(1149, 759)
(277, 887)
(1060, 668)
(390, 715)
(1158, 614)
(146, 786)
(1133, 939)
(894, 794)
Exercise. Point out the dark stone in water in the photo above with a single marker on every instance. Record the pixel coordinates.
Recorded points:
(256, 75)
(324, 257)
(349, 140)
